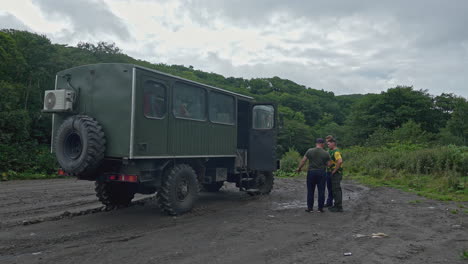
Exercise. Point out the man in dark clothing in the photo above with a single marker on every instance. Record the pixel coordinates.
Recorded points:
(336, 176)
(318, 161)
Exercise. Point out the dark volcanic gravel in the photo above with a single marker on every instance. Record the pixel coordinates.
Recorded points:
(61, 221)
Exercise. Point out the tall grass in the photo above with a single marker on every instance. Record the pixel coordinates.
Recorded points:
(435, 172)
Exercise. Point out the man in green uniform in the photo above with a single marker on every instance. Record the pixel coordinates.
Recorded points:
(328, 185)
(336, 175)
(318, 161)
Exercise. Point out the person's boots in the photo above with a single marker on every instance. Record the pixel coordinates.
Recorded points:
(335, 209)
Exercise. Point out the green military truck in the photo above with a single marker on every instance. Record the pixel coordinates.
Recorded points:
(136, 130)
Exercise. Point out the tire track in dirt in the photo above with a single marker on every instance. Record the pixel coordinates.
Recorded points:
(36, 201)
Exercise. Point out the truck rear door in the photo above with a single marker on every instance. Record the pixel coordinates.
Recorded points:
(262, 138)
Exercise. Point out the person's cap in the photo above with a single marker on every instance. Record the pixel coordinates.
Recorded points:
(319, 141)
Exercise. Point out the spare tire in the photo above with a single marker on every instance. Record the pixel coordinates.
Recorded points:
(80, 145)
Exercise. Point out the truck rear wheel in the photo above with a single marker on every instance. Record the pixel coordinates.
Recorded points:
(179, 190)
(263, 183)
(212, 187)
(80, 146)
(115, 194)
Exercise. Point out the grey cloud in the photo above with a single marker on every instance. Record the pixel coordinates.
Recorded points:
(9, 21)
(353, 75)
(88, 17)
(430, 20)
(315, 53)
(308, 75)
(421, 43)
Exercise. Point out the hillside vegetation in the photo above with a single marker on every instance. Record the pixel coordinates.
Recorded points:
(368, 125)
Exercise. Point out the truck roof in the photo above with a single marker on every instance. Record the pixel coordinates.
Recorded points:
(248, 98)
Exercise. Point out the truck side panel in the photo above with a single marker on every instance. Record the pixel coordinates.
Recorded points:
(172, 134)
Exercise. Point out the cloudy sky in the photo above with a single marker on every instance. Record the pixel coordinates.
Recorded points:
(344, 46)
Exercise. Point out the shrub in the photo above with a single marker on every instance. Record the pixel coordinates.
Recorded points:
(290, 160)
(28, 158)
(289, 163)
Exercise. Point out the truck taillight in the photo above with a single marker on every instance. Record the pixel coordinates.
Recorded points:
(131, 178)
(123, 178)
(61, 172)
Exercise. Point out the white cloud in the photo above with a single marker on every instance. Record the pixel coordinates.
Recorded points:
(30, 16)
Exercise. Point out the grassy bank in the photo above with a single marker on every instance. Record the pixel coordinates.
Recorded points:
(434, 172)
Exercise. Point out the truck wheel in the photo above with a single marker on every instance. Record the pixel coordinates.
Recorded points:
(212, 187)
(80, 146)
(115, 194)
(179, 190)
(263, 183)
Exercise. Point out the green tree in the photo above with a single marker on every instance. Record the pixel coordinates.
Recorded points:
(101, 47)
(12, 62)
(392, 109)
(294, 133)
(458, 123)
(380, 137)
(410, 132)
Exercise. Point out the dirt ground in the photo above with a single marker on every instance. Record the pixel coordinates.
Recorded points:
(60, 221)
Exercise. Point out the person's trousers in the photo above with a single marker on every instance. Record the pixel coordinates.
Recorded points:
(329, 189)
(315, 178)
(336, 189)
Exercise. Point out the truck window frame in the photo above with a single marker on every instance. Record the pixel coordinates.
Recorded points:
(163, 85)
(177, 86)
(272, 117)
(233, 110)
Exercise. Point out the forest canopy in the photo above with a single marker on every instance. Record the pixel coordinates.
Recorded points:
(402, 114)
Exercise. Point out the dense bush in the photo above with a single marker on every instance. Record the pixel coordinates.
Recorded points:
(17, 160)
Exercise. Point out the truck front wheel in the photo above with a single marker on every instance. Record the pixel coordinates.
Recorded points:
(179, 190)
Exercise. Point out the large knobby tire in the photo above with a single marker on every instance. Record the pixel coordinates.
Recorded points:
(115, 194)
(263, 183)
(212, 187)
(80, 145)
(179, 190)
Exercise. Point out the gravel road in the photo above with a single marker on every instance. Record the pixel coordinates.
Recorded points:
(60, 221)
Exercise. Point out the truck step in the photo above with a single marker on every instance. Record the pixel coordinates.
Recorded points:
(252, 190)
(247, 179)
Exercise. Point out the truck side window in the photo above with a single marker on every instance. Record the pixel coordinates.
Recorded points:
(189, 102)
(222, 108)
(154, 101)
(263, 117)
